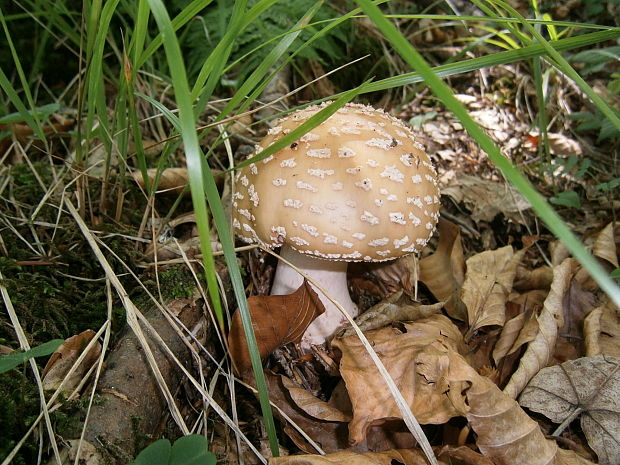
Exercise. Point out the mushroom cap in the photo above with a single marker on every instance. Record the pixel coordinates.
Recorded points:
(358, 187)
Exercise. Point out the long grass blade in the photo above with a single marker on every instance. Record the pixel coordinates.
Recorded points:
(201, 177)
(494, 59)
(28, 116)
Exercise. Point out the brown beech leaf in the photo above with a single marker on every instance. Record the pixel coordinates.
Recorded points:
(312, 405)
(601, 330)
(486, 199)
(588, 387)
(605, 245)
(522, 328)
(65, 356)
(399, 274)
(516, 332)
(443, 271)
(538, 278)
(397, 307)
(388, 457)
(416, 366)
(488, 282)
(505, 433)
(540, 350)
(277, 320)
(462, 455)
(171, 180)
(332, 436)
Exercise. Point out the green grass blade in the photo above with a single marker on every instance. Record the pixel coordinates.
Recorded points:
(539, 204)
(500, 20)
(500, 58)
(10, 361)
(201, 178)
(270, 60)
(29, 116)
(95, 92)
(180, 20)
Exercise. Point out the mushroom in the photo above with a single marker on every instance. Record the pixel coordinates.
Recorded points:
(358, 187)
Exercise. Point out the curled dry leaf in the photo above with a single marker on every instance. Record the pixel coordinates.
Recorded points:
(332, 436)
(443, 271)
(397, 307)
(538, 278)
(506, 434)
(605, 245)
(601, 330)
(312, 405)
(486, 199)
(588, 387)
(65, 356)
(416, 366)
(399, 274)
(388, 457)
(462, 455)
(540, 350)
(277, 320)
(522, 328)
(488, 282)
(516, 332)
(171, 180)
(562, 146)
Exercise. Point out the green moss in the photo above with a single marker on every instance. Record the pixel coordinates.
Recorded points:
(19, 406)
(175, 282)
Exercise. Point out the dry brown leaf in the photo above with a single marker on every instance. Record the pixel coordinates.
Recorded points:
(519, 330)
(395, 308)
(443, 271)
(65, 356)
(605, 244)
(462, 455)
(516, 332)
(312, 405)
(388, 457)
(540, 350)
(399, 274)
(563, 146)
(505, 433)
(569, 457)
(332, 436)
(277, 320)
(485, 199)
(588, 387)
(601, 330)
(171, 180)
(416, 367)
(488, 282)
(538, 278)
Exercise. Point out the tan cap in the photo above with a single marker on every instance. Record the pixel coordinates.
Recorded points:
(358, 187)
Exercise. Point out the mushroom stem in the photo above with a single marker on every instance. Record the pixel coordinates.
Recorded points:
(331, 276)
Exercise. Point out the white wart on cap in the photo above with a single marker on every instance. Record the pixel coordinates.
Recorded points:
(358, 187)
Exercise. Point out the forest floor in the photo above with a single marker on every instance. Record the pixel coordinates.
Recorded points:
(87, 258)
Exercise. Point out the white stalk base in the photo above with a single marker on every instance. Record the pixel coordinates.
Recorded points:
(331, 276)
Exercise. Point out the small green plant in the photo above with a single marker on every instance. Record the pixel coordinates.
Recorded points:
(188, 450)
(595, 121)
(572, 168)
